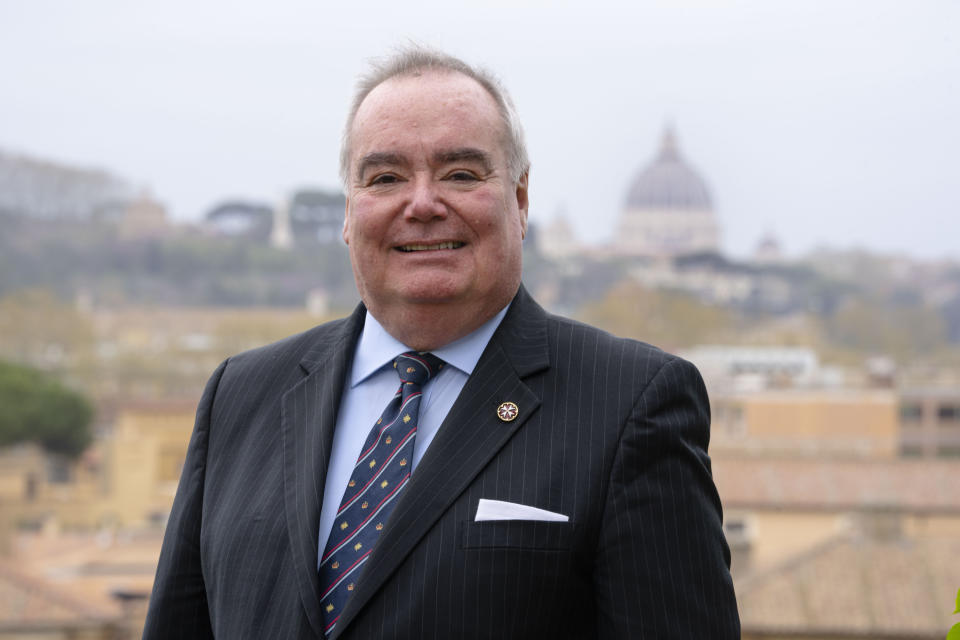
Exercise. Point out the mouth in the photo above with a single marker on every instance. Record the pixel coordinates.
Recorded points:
(410, 248)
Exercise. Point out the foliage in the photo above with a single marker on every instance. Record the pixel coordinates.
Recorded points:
(870, 326)
(35, 407)
(36, 327)
(182, 268)
(954, 633)
(250, 330)
(667, 319)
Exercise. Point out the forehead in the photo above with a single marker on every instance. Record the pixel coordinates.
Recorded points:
(434, 108)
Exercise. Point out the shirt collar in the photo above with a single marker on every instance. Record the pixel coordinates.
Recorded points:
(377, 348)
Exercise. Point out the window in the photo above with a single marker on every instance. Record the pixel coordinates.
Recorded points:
(911, 450)
(949, 413)
(910, 413)
(738, 529)
(735, 528)
(728, 419)
(30, 488)
(58, 470)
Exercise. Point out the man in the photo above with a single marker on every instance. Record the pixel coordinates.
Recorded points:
(560, 484)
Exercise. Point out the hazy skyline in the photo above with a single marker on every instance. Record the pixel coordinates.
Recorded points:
(822, 122)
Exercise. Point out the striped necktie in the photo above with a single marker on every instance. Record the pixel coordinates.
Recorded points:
(381, 472)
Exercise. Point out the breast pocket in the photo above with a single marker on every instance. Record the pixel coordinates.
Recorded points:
(517, 534)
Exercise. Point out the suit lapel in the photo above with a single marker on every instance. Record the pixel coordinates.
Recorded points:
(471, 435)
(308, 418)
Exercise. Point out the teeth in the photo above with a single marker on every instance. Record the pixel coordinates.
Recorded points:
(431, 247)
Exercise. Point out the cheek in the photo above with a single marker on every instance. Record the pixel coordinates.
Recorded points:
(489, 215)
(366, 224)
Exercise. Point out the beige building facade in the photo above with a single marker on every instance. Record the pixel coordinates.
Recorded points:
(859, 423)
(126, 480)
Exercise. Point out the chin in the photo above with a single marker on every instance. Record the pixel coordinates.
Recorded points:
(434, 290)
(436, 295)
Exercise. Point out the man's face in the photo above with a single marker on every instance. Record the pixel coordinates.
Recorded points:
(433, 219)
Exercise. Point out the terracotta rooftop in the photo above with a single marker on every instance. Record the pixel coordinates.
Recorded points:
(921, 486)
(26, 601)
(854, 587)
(92, 567)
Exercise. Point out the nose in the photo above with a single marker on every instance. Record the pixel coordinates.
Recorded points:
(425, 202)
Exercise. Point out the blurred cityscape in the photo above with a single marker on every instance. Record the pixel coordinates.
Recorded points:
(834, 381)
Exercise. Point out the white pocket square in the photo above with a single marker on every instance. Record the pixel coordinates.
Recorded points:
(500, 510)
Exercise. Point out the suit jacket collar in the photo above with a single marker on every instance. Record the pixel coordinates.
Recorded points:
(308, 418)
(470, 436)
(342, 337)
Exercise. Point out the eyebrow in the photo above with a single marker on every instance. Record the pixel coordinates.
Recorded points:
(388, 158)
(465, 154)
(377, 159)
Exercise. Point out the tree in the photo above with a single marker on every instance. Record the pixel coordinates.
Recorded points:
(671, 320)
(39, 329)
(35, 407)
(868, 325)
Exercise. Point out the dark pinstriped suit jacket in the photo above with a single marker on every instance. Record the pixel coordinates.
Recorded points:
(611, 432)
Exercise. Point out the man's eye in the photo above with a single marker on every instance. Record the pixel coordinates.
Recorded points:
(386, 178)
(462, 176)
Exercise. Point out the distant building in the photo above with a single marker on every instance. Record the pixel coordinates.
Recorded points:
(768, 250)
(241, 219)
(855, 587)
(126, 480)
(34, 608)
(308, 217)
(930, 422)
(45, 190)
(556, 239)
(145, 455)
(754, 368)
(668, 210)
(143, 217)
(316, 216)
(776, 506)
(281, 237)
(830, 547)
(38, 489)
(806, 423)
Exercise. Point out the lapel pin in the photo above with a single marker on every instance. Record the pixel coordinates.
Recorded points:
(507, 411)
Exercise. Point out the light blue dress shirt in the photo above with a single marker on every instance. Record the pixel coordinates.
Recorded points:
(372, 383)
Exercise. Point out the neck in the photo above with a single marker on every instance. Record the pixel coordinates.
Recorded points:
(429, 327)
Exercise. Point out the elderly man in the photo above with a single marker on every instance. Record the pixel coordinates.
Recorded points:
(450, 461)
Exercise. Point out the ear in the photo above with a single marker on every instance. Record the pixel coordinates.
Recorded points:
(523, 201)
(346, 222)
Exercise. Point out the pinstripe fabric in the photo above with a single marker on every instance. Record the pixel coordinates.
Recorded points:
(611, 432)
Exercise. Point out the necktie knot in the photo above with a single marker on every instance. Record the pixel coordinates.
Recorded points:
(417, 368)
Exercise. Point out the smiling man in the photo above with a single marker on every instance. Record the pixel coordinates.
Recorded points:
(450, 461)
(435, 214)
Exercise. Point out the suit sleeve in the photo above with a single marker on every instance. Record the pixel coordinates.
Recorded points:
(662, 562)
(178, 605)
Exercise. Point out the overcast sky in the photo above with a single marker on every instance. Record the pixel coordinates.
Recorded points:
(831, 122)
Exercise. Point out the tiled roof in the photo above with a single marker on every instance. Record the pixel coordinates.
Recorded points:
(858, 588)
(922, 486)
(28, 601)
(93, 567)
